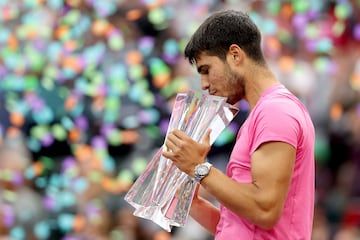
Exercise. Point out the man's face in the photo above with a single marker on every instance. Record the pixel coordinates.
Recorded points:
(219, 79)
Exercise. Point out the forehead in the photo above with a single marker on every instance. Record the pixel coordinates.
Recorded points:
(205, 59)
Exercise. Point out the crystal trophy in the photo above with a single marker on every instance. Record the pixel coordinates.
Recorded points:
(162, 193)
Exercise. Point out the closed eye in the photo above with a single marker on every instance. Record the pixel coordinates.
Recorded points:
(203, 69)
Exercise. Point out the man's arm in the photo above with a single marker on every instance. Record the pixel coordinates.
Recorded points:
(204, 212)
(260, 201)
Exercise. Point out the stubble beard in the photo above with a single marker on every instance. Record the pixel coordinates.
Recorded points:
(236, 86)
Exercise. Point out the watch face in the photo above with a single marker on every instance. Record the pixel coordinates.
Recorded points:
(202, 170)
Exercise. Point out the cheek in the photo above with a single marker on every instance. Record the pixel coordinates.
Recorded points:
(217, 80)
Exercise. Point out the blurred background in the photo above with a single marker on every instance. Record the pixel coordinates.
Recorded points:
(86, 92)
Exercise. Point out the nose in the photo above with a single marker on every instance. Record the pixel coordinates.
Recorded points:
(204, 83)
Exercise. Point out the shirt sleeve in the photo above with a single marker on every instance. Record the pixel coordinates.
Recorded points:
(275, 121)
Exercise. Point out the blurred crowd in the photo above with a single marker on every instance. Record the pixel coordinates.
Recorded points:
(86, 92)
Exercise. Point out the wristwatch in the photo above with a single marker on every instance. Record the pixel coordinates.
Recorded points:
(202, 170)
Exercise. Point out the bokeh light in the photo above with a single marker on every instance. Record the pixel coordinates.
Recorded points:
(89, 85)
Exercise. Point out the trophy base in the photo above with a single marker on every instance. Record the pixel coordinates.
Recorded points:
(154, 214)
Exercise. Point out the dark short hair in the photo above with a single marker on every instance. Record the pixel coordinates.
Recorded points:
(219, 31)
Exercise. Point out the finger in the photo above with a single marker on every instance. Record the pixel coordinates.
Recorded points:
(206, 138)
(174, 138)
(171, 136)
(180, 134)
(170, 145)
(168, 155)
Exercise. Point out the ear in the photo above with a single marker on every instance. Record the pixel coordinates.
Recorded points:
(236, 53)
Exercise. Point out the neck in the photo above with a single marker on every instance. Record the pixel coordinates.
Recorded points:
(258, 79)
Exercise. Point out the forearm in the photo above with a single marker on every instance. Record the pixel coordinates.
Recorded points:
(205, 213)
(260, 201)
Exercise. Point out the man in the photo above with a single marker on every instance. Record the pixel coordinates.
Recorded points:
(268, 189)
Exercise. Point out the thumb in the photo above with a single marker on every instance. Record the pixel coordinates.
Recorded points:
(206, 138)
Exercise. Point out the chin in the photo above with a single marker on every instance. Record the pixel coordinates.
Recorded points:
(232, 101)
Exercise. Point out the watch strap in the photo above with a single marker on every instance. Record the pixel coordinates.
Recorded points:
(198, 177)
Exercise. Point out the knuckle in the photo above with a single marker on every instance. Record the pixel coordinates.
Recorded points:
(182, 145)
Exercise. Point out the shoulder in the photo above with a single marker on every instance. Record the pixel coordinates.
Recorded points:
(280, 103)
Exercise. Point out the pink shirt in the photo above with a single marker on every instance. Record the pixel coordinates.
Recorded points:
(278, 116)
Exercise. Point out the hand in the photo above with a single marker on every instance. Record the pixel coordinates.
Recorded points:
(185, 152)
